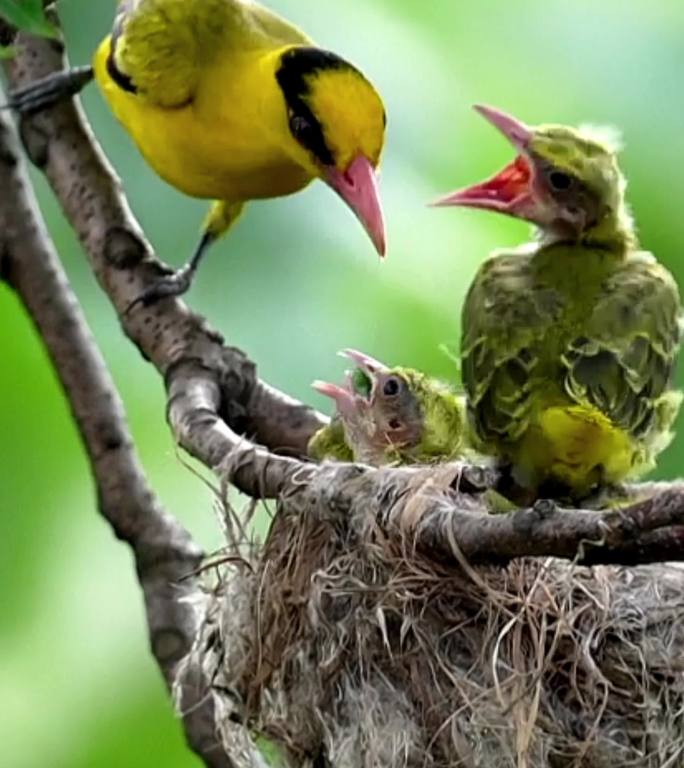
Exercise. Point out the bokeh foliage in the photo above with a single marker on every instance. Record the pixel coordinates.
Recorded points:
(295, 282)
(27, 15)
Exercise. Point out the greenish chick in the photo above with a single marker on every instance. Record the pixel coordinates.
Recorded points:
(569, 343)
(390, 415)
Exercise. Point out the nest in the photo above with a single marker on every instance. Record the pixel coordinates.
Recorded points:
(333, 644)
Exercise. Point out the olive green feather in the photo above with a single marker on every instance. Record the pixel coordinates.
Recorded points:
(330, 442)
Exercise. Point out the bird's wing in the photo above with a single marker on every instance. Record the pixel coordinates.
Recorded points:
(160, 47)
(624, 361)
(505, 315)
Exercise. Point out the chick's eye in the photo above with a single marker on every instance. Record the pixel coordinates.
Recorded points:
(394, 424)
(391, 387)
(559, 181)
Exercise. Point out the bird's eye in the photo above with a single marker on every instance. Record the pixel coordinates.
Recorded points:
(299, 126)
(391, 387)
(559, 181)
(308, 133)
(394, 424)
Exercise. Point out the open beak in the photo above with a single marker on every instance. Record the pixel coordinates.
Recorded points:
(365, 375)
(511, 190)
(343, 397)
(358, 187)
(352, 396)
(369, 365)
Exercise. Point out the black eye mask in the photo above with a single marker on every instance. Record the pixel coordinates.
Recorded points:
(297, 67)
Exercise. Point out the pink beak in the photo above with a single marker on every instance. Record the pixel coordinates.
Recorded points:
(358, 187)
(516, 132)
(365, 362)
(510, 190)
(344, 399)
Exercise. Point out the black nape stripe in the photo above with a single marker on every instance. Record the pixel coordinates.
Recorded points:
(296, 67)
(301, 61)
(122, 80)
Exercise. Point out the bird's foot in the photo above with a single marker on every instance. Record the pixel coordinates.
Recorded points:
(49, 90)
(175, 284)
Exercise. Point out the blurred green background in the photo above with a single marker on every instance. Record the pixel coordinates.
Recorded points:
(295, 282)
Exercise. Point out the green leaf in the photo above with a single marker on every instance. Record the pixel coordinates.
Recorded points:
(27, 15)
(7, 52)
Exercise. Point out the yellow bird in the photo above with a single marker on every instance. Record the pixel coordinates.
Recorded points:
(227, 101)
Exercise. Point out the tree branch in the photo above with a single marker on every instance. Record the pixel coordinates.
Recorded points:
(647, 531)
(193, 412)
(164, 551)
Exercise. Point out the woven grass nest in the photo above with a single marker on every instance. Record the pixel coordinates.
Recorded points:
(329, 644)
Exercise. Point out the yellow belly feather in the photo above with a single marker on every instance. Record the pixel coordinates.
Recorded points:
(578, 446)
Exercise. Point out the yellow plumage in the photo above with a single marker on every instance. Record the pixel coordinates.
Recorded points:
(578, 446)
(208, 148)
(207, 112)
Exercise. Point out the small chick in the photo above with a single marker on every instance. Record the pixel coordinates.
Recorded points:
(390, 415)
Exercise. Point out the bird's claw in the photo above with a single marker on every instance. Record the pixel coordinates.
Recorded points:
(48, 91)
(165, 287)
